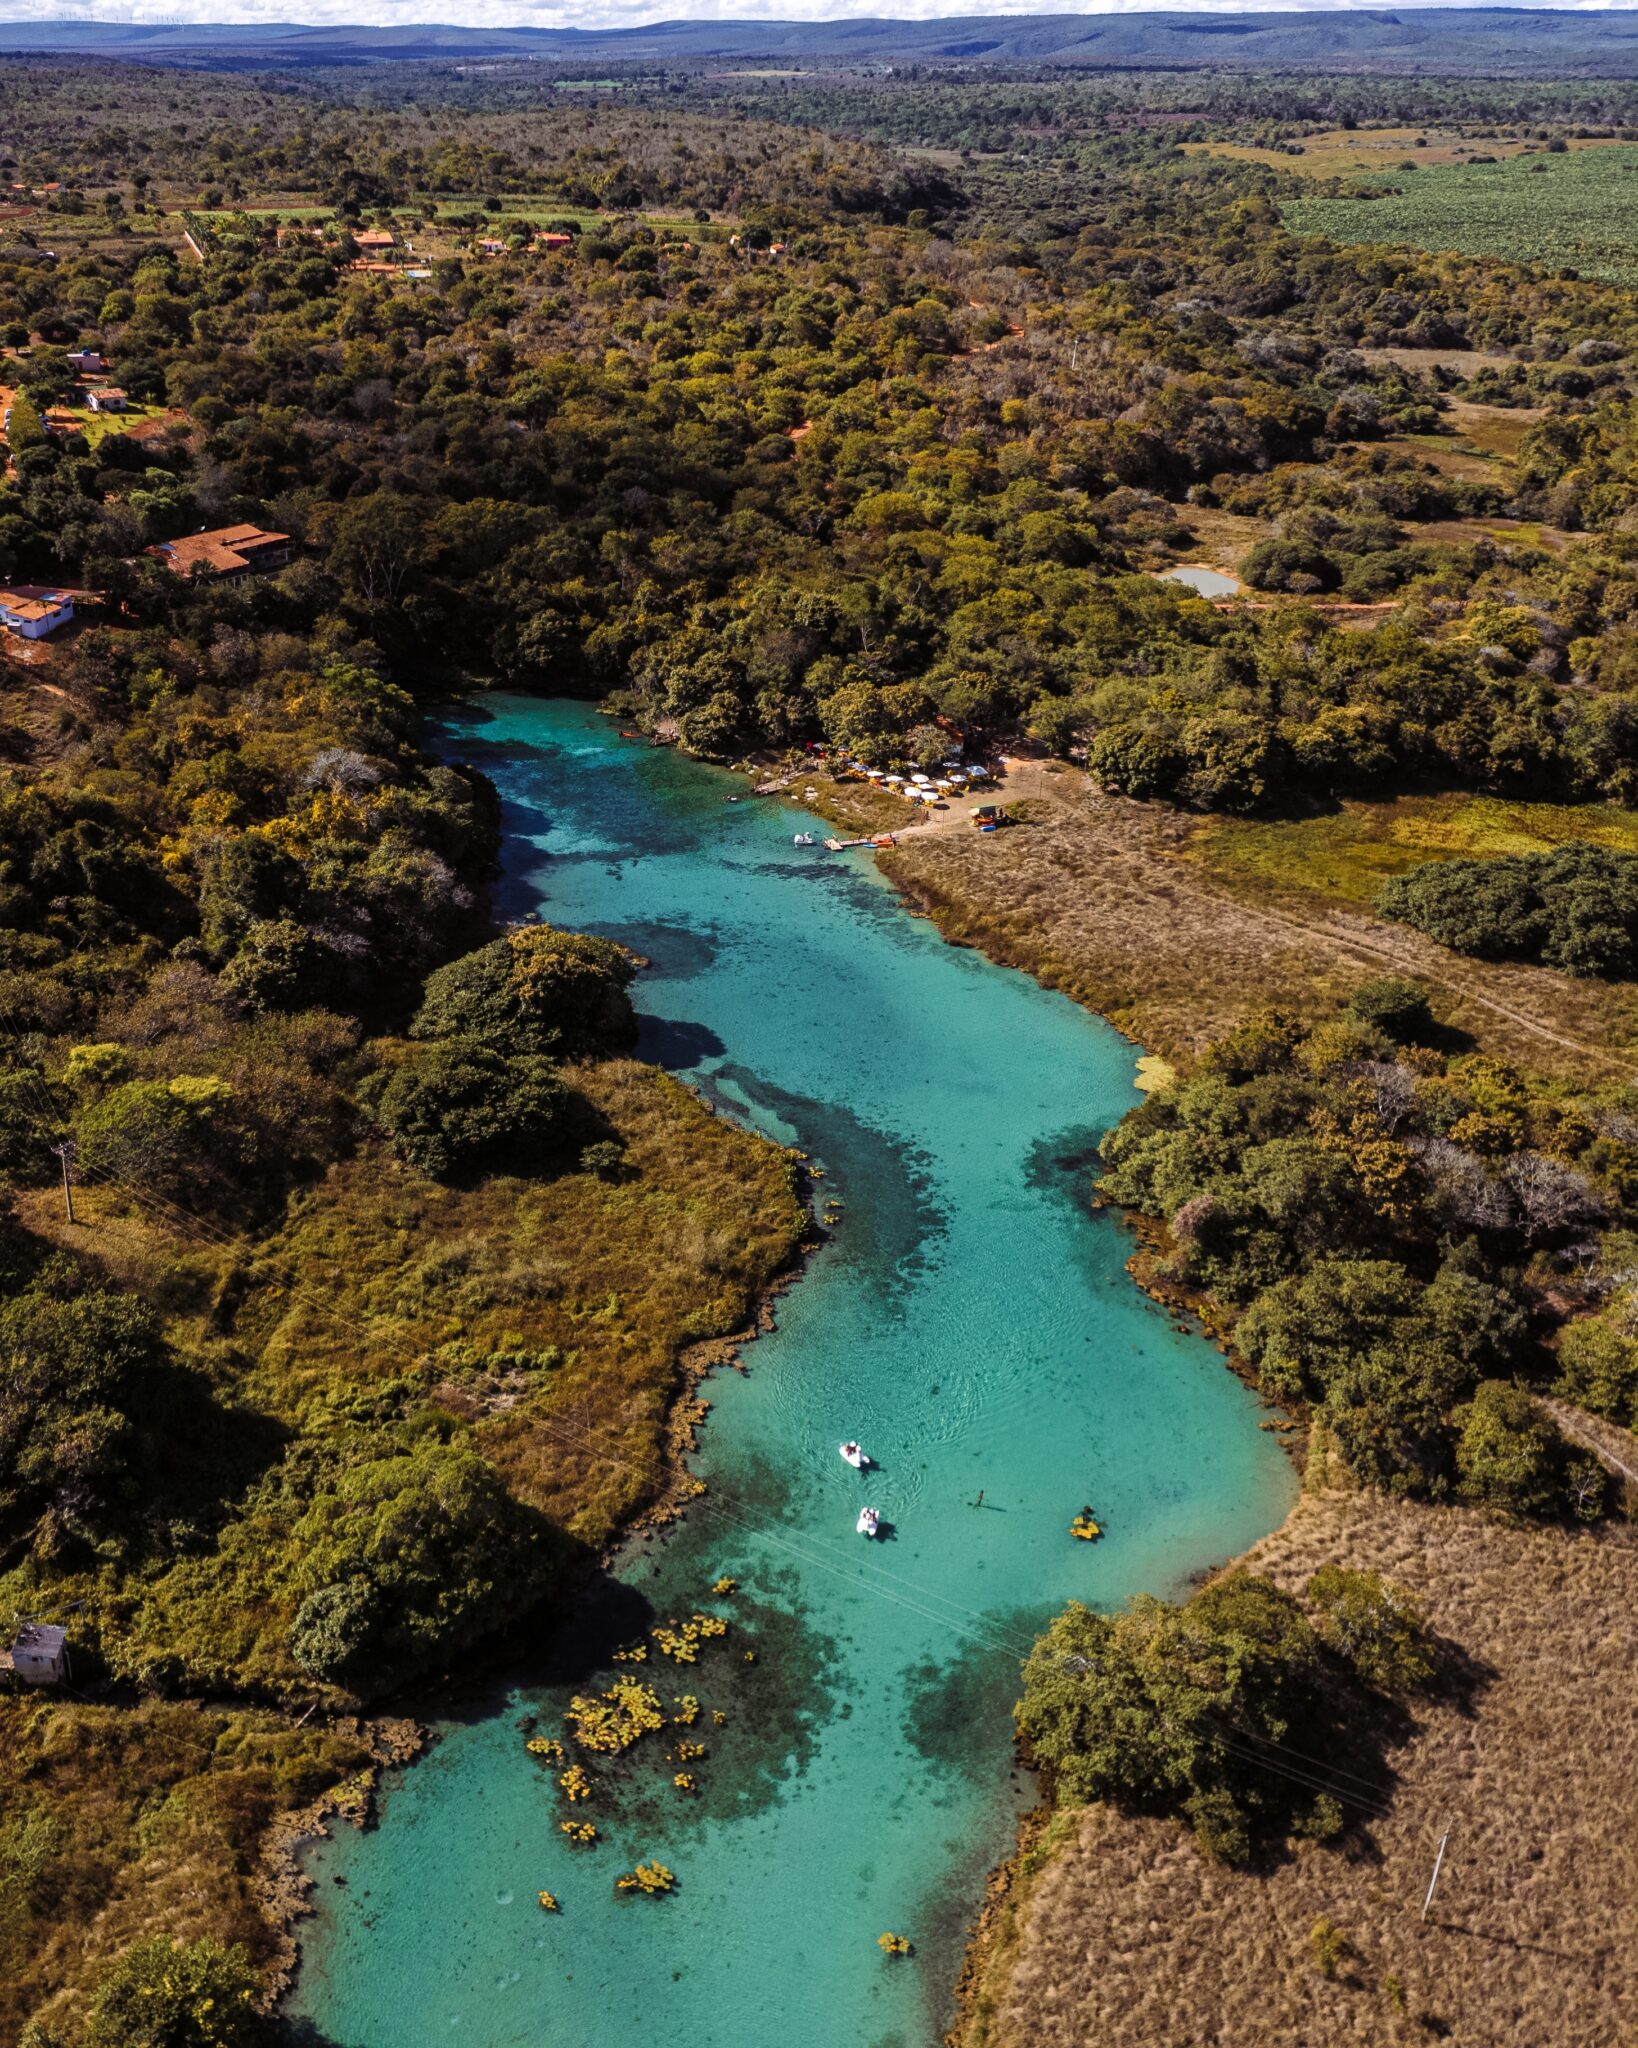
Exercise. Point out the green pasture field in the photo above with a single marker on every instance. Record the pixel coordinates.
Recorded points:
(1578, 211)
(1351, 851)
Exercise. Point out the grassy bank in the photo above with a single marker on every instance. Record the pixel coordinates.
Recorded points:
(540, 1320)
(1177, 930)
(1116, 1928)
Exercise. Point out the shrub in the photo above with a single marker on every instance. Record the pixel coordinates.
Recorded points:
(278, 966)
(1509, 1457)
(606, 1159)
(28, 1125)
(538, 990)
(1395, 1006)
(1329, 1945)
(74, 1371)
(1598, 1368)
(1135, 1707)
(1134, 761)
(1575, 908)
(454, 1104)
(172, 1994)
(170, 1135)
(407, 1558)
(1374, 1625)
(96, 1066)
(1231, 763)
(1384, 1354)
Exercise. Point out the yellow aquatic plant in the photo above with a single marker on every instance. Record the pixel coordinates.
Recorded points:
(574, 1783)
(1084, 1527)
(687, 1751)
(651, 1878)
(682, 1644)
(894, 1944)
(684, 1781)
(543, 1745)
(725, 1587)
(688, 1710)
(547, 1900)
(580, 1831)
(616, 1719)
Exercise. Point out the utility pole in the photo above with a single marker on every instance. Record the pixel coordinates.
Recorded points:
(65, 1152)
(1438, 1864)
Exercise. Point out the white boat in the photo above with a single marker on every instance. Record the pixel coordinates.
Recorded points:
(869, 1522)
(804, 839)
(855, 1455)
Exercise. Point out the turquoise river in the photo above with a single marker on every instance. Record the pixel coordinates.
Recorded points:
(970, 1321)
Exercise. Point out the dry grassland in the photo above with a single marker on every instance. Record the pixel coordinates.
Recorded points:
(379, 1272)
(1346, 151)
(1466, 362)
(1122, 1936)
(1110, 901)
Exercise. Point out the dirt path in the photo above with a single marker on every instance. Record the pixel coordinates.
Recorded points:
(1612, 1447)
(1102, 897)
(1378, 946)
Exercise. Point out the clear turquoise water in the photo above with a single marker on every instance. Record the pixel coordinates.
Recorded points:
(971, 1322)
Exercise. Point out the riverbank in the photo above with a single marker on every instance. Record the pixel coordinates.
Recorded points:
(1174, 927)
(791, 988)
(1134, 910)
(545, 1320)
(1109, 1927)
(1071, 896)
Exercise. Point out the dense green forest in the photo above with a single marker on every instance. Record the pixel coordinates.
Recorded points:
(841, 410)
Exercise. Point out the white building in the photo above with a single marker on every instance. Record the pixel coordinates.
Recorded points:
(39, 1655)
(33, 612)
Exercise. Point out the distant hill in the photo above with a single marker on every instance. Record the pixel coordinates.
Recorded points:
(1495, 40)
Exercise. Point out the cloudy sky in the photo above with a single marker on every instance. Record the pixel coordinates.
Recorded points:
(615, 13)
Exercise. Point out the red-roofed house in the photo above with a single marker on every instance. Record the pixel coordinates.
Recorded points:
(225, 551)
(32, 611)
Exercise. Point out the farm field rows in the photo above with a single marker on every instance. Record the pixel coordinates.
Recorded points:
(1577, 211)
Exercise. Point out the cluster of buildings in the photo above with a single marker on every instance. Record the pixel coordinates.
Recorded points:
(32, 610)
(540, 243)
(96, 393)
